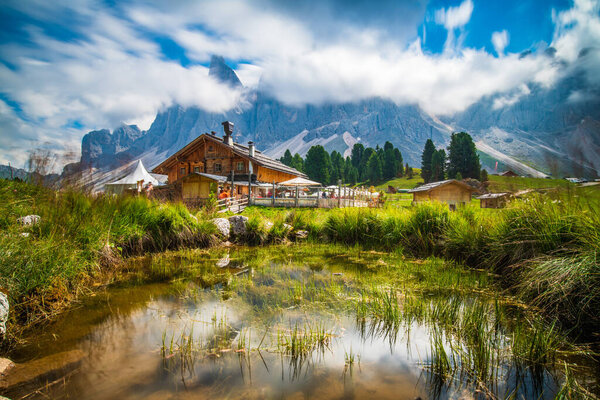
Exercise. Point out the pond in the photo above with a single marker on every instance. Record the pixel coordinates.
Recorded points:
(306, 321)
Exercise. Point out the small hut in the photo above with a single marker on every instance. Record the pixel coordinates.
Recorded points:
(509, 173)
(451, 191)
(494, 200)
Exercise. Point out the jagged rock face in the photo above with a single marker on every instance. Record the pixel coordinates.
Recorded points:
(103, 148)
(543, 117)
(219, 70)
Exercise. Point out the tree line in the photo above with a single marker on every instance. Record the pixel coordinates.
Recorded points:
(461, 162)
(365, 164)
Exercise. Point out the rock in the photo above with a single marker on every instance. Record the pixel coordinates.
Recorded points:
(29, 220)
(4, 307)
(301, 234)
(238, 224)
(24, 234)
(268, 225)
(288, 227)
(223, 226)
(44, 369)
(5, 366)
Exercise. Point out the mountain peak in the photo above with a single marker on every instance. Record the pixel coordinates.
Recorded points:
(222, 72)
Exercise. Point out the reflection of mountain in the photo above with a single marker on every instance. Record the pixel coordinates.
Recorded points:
(553, 130)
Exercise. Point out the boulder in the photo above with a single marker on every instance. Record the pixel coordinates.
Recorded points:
(4, 307)
(223, 226)
(29, 220)
(301, 234)
(5, 366)
(238, 224)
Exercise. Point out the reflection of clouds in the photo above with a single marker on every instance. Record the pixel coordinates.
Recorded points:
(125, 359)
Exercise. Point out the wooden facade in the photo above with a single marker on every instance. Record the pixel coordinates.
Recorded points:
(209, 158)
(494, 200)
(452, 192)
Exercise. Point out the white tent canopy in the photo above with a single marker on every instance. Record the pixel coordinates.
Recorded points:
(299, 182)
(130, 181)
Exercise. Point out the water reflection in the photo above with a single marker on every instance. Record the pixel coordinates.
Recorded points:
(292, 327)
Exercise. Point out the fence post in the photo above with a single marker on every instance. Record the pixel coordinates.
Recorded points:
(296, 202)
(249, 188)
(273, 198)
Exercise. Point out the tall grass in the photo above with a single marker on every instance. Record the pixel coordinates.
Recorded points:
(44, 266)
(543, 249)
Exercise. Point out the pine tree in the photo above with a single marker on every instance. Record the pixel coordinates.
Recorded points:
(287, 158)
(438, 166)
(352, 176)
(337, 167)
(483, 175)
(357, 152)
(390, 165)
(362, 168)
(318, 164)
(408, 171)
(462, 157)
(374, 170)
(298, 162)
(428, 151)
(399, 163)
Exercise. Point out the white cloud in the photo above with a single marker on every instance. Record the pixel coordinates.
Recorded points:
(511, 98)
(455, 17)
(113, 72)
(500, 41)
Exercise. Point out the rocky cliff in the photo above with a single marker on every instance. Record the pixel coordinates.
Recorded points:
(551, 129)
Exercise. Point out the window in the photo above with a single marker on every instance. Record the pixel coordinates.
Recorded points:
(211, 148)
(217, 167)
(182, 171)
(196, 169)
(240, 165)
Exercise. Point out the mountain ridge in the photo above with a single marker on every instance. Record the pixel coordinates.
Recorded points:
(536, 118)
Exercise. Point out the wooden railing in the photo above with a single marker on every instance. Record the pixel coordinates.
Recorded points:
(233, 205)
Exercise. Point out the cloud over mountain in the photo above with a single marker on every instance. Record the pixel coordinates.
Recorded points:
(69, 67)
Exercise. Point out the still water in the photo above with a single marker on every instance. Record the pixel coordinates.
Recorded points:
(294, 322)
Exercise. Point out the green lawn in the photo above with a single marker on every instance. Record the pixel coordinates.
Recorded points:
(512, 184)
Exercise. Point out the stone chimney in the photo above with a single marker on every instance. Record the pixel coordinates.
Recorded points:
(213, 133)
(251, 148)
(228, 129)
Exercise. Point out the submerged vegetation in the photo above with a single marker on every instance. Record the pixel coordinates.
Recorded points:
(308, 312)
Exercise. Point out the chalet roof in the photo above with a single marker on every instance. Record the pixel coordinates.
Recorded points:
(493, 195)
(238, 149)
(433, 185)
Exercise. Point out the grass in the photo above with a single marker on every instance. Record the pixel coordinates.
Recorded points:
(476, 335)
(79, 238)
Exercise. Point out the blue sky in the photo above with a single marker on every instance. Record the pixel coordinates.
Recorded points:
(67, 67)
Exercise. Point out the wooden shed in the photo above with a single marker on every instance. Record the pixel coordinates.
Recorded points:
(509, 173)
(198, 185)
(494, 200)
(451, 191)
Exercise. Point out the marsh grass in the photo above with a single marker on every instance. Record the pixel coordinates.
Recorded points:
(79, 240)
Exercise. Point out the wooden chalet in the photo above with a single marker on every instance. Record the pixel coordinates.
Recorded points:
(494, 200)
(210, 161)
(510, 174)
(451, 191)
